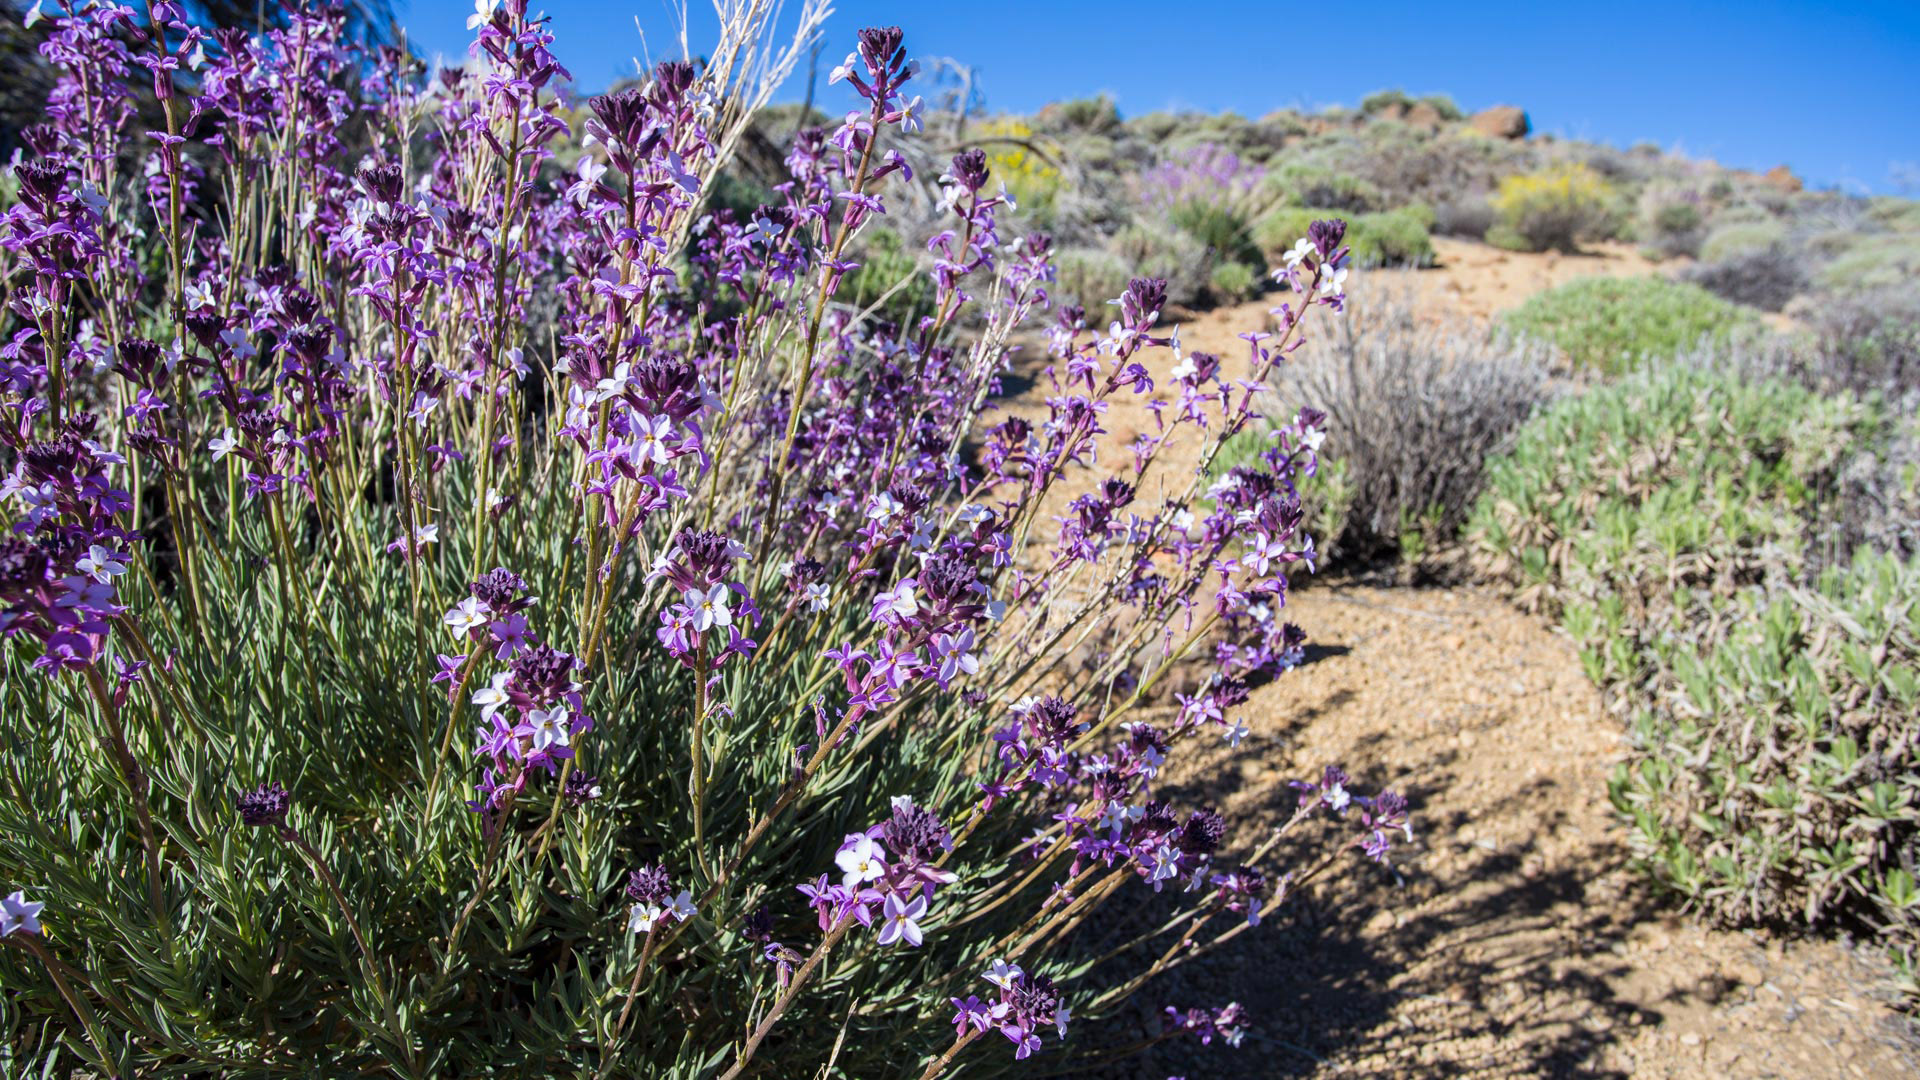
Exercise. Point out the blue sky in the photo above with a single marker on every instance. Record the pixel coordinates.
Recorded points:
(1827, 89)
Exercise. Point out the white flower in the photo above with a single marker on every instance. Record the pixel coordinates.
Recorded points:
(818, 597)
(223, 444)
(482, 13)
(682, 907)
(549, 727)
(613, 385)
(1061, 1014)
(860, 861)
(100, 564)
(1333, 282)
(198, 295)
(642, 917)
(710, 607)
(1235, 733)
(1300, 250)
(883, 507)
(910, 117)
(839, 74)
(1003, 974)
(1338, 798)
(488, 699)
(426, 534)
(1183, 520)
(902, 602)
(1185, 369)
(17, 913)
(34, 15)
(468, 614)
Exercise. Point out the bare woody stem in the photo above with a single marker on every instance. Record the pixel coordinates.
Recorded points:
(780, 1007)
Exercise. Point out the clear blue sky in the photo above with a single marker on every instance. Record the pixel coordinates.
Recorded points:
(1830, 89)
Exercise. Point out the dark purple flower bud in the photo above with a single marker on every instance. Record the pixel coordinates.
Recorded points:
(881, 49)
(970, 169)
(622, 114)
(1325, 236)
(543, 673)
(138, 359)
(384, 183)
(758, 925)
(650, 885)
(1231, 692)
(1054, 721)
(205, 327)
(916, 832)
(671, 79)
(264, 805)
(1118, 492)
(42, 183)
(498, 588)
(581, 789)
(1142, 301)
(1202, 833)
(23, 568)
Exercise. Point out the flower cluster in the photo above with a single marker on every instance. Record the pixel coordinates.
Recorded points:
(302, 335)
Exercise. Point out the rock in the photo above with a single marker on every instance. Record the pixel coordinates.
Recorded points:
(1502, 122)
(1782, 179)
(1423, 115)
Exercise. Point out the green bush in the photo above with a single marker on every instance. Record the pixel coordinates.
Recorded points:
(1299, 184)
(1738, 238)
(1162, 250)
(1771, 775)
(1089, 277)
(1394, 237)
(888, 275)
(1221, 229)
(1776, 777)
(1613, 324)
(1672, 219)
(1234, 281)
(1874, 262)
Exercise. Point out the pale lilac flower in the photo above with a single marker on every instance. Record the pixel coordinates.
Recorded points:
(101, 565)
(900, 921)
(1236, 733)
(549, 727)
(710, 607)
(21, 915)
(1003, 974)
(489, 698)
(467, 615)
(223, 444)
(649, 440)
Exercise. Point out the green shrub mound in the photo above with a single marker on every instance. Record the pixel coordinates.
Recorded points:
(1779, 780)
(1610, 506)
(1667, 519)
(1389, 238)
(1616, 324)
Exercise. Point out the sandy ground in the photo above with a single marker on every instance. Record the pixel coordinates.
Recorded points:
(1508, 939)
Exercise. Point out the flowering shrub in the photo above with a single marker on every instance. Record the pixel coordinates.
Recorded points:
(467, 616)
(1556, 208)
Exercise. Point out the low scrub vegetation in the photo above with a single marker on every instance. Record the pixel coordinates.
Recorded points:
(1612, 325)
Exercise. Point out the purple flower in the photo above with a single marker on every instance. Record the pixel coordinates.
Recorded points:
(263, 806)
